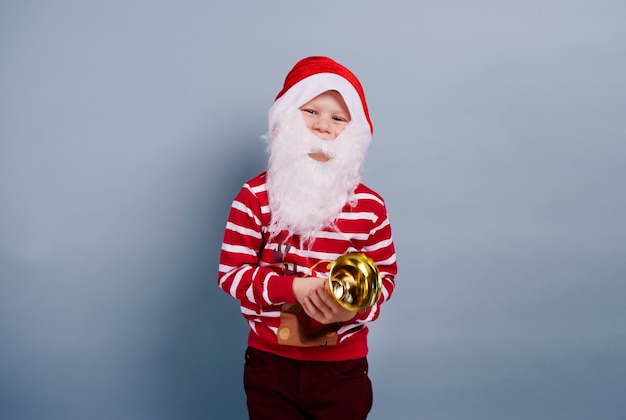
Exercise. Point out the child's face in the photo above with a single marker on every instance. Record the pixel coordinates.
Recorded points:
(326, 115)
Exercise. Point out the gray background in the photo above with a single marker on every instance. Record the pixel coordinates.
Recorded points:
(127, 127)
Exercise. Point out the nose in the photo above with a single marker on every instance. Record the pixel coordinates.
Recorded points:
(322, 125)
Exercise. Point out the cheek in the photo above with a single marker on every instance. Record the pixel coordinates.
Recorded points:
(308, 122)
(338, 130)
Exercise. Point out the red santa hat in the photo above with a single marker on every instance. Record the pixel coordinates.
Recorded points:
(312, 76)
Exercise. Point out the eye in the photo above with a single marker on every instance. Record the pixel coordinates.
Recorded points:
(308, 111)
(339, 118)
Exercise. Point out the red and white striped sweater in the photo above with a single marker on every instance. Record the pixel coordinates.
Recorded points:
(259, 272)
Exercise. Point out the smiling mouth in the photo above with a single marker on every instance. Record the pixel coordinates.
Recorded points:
(319, 156)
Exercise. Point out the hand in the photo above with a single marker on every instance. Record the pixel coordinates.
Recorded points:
(313, 295)
(303, 285)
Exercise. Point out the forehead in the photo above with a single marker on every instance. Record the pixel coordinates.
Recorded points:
(330, 98)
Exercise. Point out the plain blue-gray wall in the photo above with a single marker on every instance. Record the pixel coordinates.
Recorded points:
(127, 127)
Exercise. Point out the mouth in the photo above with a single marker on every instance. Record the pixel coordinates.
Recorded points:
(319, 156)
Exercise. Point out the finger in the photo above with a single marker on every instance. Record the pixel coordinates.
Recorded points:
(321, 306)
(325, 296)
(321, 300)
(313, 311)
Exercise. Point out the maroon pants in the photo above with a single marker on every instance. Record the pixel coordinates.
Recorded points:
(282, 388)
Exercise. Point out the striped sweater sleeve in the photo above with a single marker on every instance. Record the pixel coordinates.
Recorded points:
(240, 274)
(380, 247)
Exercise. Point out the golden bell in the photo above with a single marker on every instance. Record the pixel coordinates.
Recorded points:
(354, 281)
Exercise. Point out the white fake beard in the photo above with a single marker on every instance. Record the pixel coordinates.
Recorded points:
(305, 195)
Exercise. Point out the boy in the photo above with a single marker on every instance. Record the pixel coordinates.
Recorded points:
(306, 355)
